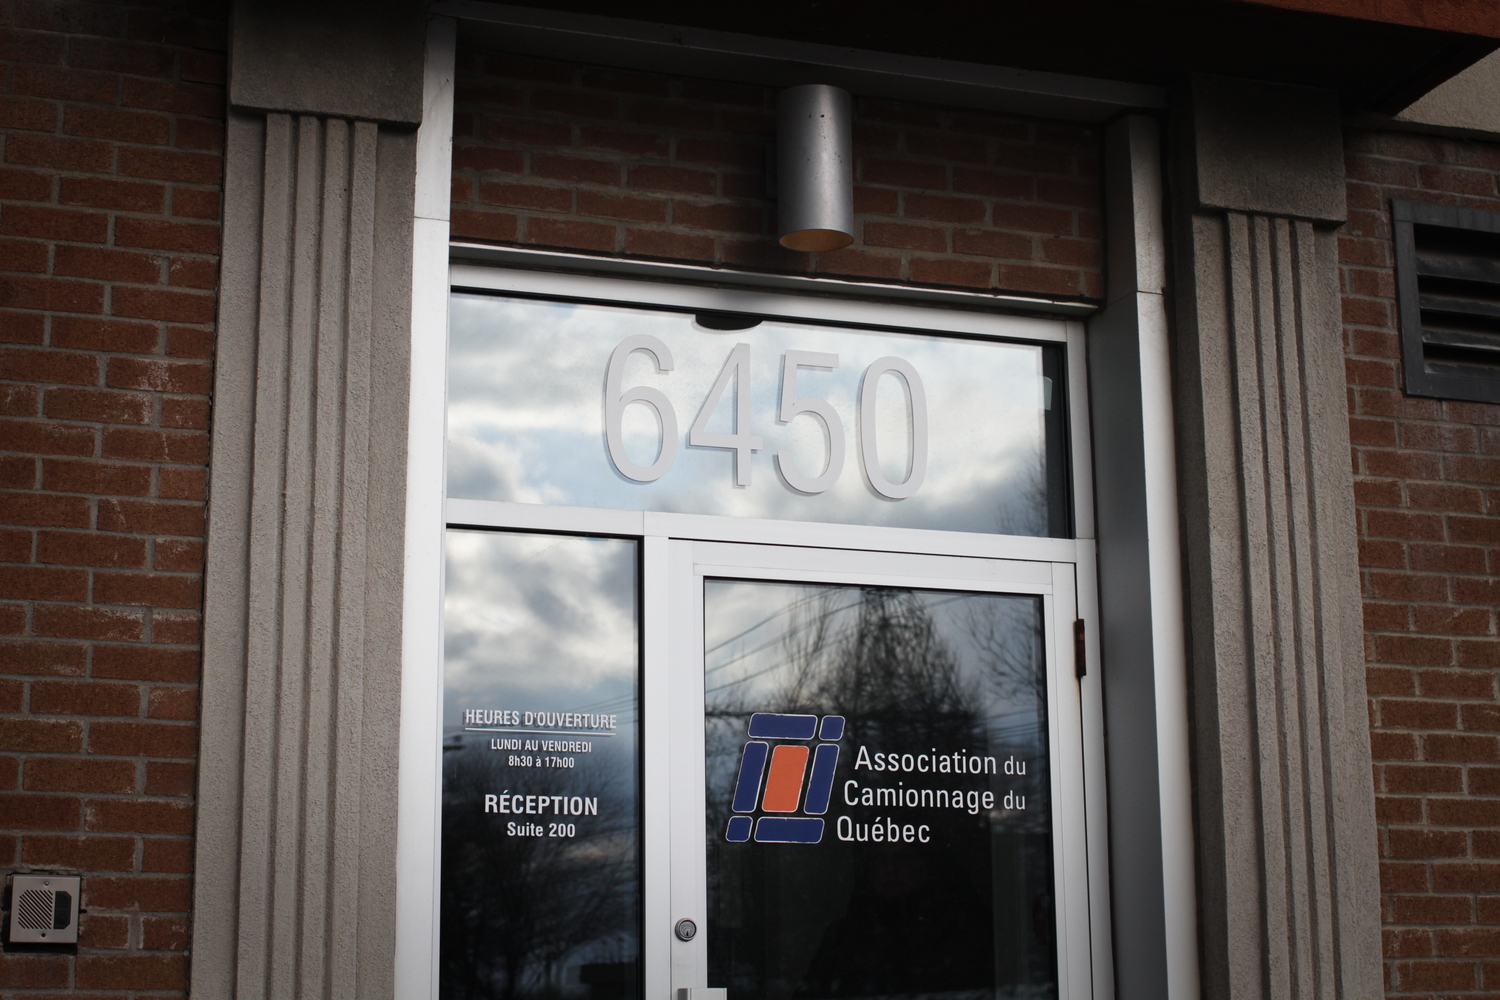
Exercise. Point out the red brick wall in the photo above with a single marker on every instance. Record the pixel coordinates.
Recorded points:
(111, 140)
(1427, 481)
(556, 155)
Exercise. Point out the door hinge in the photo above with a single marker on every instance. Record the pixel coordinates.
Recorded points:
(1080, 651)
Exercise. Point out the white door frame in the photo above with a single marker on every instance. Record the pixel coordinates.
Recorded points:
(689, 564)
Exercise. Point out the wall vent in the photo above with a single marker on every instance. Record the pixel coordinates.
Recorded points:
(1448, 282)
(44, 909)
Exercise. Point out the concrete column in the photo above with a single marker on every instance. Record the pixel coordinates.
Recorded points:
(294, 894)
(1287, 862)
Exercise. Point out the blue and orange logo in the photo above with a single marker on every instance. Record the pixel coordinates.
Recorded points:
(783, 787)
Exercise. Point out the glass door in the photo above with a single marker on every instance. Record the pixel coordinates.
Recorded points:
(876, 776)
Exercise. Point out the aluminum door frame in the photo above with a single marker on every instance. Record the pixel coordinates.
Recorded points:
(680, 572)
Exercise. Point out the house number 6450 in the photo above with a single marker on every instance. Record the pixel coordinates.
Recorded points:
(742, 442)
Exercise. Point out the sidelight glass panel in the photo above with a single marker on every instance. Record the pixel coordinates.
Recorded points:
(591, 405)
(541, 871)
(879, 817)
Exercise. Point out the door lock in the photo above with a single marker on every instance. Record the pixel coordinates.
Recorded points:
(685, 930)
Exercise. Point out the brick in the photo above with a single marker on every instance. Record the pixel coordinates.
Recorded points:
(187, 413)
(95, 334)
(155, 446)
(193, 272)
(76, 548)
(150, 589)
(69, 476)
(1466, 877)
(495, 226)
(53, 151)
(947, 146)
(1419, 843)
(33, 365)
(994, 183)
(97, 931)
(167, 777)
(51, 294)
(182, 484)
(187, 342)
(1408, 586)
(117, 124)
(1435, 976)
(1038, 280)
(1393, 746)
(992, 243)
(159, 375)
(178, 554)
(98, 405)
(859, 263)
(1075, 253)
(43, 511)
(133, 972)
(1482, 942)
(1450, 558)
(946, 271)
(1423, 778)
(1457, 683)
(25, 185)
(183, 98)
(88, 623)
(93, 854)
(21, 971)
(144, 739)
(42, 658)
(680, 180)
(903, 236)
(173, 703)
(42, 222)
(672, 116)
(668, 244)
(42, 583)
(194, 134)
(940, 208)
(1454, 621)
(164, 933)
(1464, 812)
(721, 217)
(168, 165)
(570, 234)
(1484, 718)
(64, 84)
(23, 255)
(573, 103)
(138, 816)
(516, 195)
(620, 206)
(30, 811)
(635, 142)
(74, 774)
(510, 161)
(195, 204)
(161, 234)
(1422, 909)
(106, 265)
(160, 304)
(903, 173)
(146, 663)
(84, 698)
(1418, 714)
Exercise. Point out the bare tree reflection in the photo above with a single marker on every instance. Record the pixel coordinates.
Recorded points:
(863, 919)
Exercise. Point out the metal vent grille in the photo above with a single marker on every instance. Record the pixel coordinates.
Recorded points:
(1448, 279)
(35, 909)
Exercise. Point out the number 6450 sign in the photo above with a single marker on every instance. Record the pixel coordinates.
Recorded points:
(741, 441)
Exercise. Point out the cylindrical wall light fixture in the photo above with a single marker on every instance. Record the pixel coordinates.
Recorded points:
(815, 167)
